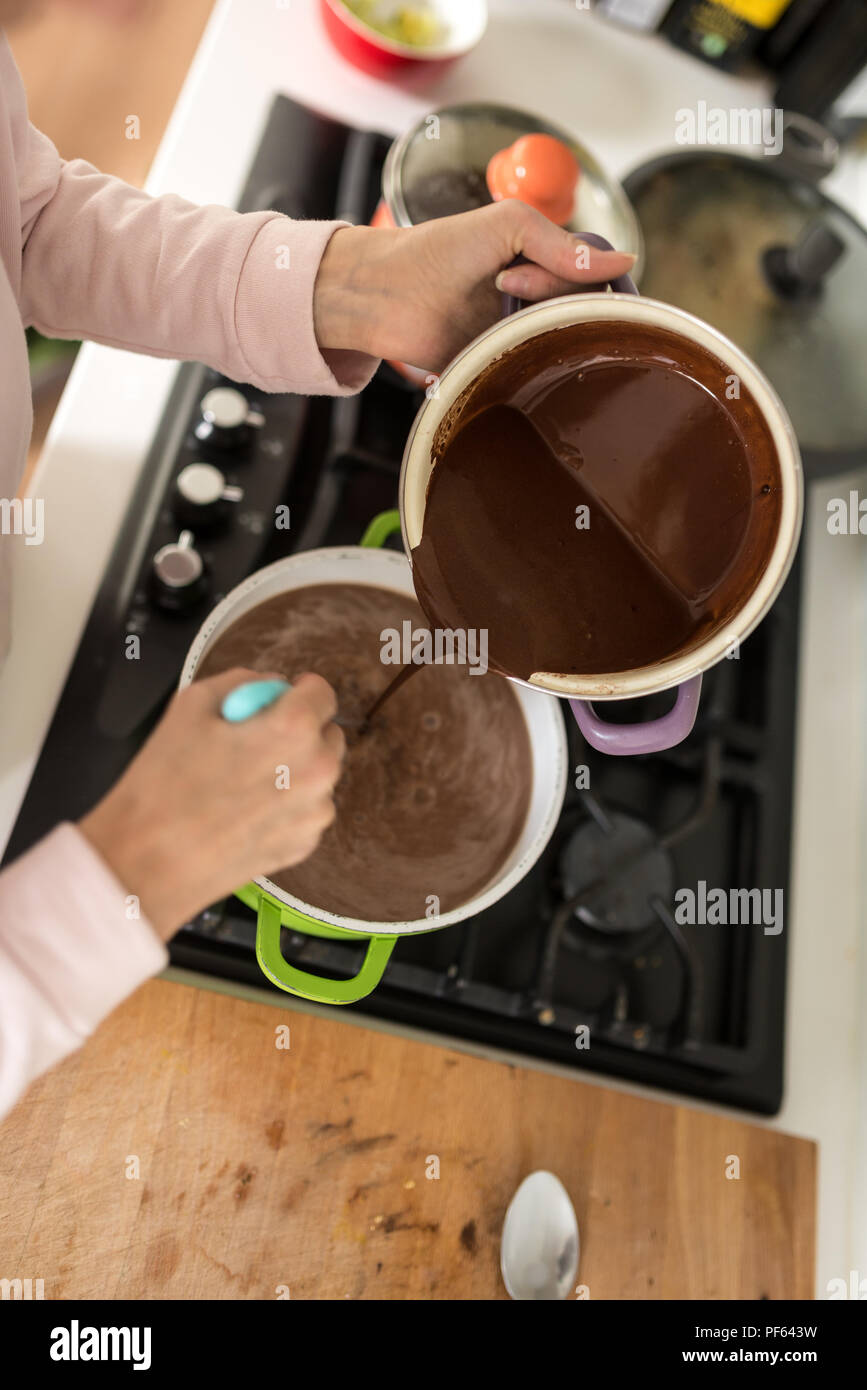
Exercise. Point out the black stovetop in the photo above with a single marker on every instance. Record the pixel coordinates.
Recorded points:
(588, 939)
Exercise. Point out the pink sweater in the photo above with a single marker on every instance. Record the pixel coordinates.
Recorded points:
(83, 255)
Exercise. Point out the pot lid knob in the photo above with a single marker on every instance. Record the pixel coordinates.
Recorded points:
(797, 272)
(541, 171)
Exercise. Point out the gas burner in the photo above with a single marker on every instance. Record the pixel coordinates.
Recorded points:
(613, 870)
(617, 881)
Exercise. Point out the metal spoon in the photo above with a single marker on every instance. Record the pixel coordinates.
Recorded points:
(540, 1243)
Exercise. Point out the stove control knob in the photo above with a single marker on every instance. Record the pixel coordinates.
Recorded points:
(202, 495)
(227, 418)
(178, 574)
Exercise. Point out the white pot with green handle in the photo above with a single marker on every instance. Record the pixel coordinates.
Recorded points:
(383, 569)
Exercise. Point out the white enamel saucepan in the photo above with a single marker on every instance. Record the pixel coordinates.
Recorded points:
(383, 569)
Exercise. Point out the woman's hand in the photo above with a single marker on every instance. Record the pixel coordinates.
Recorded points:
(420, 294)
(201, 811)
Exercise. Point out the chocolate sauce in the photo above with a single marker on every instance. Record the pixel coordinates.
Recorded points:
(392, 688)
(433, 797)
(598, 502)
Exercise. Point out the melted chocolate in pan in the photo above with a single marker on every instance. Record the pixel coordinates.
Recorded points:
(433, 796)
(681, 486)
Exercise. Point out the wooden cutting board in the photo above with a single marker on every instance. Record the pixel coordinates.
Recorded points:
(188, 1152)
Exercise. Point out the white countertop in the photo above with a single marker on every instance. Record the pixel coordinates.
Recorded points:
(619, 92)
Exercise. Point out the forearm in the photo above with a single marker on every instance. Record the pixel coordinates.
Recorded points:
(73, 944)
(106, 262)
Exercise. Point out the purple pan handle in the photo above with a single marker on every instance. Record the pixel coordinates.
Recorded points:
(658, 734)
(623, 284)
(652, 737)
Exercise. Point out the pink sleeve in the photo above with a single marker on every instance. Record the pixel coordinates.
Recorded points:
(88, 256)
(104, 261)
(72, 946)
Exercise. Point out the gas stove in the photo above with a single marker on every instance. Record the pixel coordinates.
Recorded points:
(585, 962)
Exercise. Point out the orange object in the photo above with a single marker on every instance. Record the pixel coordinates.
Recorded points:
(382, 216)
(539, 170)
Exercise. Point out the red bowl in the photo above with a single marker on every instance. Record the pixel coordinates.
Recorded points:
(378, 55)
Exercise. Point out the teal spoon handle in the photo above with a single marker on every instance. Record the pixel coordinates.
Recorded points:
(247, 700)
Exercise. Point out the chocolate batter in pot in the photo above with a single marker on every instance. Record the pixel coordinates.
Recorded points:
(433, 796)
(631, 429)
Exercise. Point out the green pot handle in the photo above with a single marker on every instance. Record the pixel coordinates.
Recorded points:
(380, 528)
(316, 987)
(270, 916)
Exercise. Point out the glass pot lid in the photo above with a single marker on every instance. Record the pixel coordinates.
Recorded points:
(767, 259)
(438, 168)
